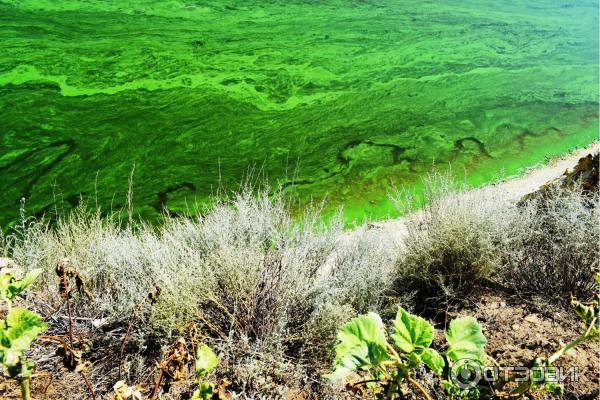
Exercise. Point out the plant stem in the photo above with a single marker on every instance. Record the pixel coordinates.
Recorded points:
(365, 381)
(387, 375)
(25, 389)
(393, 351)
(89, 385)
(70, 320)
(572, 343)
(55, 339)
(127, 333)
(418, 386)
(156, 386)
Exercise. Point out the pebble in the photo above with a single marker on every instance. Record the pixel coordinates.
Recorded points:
(532, 318)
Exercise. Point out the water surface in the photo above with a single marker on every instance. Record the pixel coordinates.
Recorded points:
(349, 98)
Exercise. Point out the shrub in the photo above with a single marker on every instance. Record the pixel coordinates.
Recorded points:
(552, 246)
(451, 245)
(267, 292)
(545, 245)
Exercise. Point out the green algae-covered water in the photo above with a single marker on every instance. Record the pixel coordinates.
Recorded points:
(346, 98)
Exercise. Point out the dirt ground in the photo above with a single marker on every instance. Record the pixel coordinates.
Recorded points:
(518, 331)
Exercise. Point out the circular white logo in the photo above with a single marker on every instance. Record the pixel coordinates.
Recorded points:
(466, 373)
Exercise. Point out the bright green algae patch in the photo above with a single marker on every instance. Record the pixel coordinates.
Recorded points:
(346, 98)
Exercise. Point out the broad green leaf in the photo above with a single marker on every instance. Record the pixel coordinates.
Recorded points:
(16, 287)
(362, 329)
(11, 288)
(363, 356)
(433, 360)
(465, 340)
(5, 279)
(206, 361)
(24, 327)
(10, 357)
(411, 331)
(361, 345)
(205, 391)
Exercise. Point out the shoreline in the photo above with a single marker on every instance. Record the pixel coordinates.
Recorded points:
(508, 189)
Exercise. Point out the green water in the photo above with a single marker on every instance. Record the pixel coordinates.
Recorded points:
(347, 98)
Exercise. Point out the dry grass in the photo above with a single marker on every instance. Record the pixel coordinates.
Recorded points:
(552, 247)
(267, 291)
(462, 239)
(453, 243)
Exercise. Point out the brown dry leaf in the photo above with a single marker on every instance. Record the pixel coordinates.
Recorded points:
(154, 295)
(71, 357)
(174, 363)
(126, 392)
(83, 366)
(356, 389)
(295, 394)
(65, 272)
(221, 392)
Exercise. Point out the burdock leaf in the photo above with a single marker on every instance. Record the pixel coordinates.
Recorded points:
(206, 361)
(16, 287)
(361, 345)
(5, 280)
(411, 331)
(24, 327)
(465, 340)
(433, 360)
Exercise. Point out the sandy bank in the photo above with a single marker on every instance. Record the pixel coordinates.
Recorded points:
(510, 189)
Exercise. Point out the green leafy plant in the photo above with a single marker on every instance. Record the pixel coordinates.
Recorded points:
(363, 345)
(10, 287)
(466, 357)
(206, 362)
(18, 329)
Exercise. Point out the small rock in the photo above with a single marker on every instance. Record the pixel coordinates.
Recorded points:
(532, 318)
(98, 323)
(515, 327)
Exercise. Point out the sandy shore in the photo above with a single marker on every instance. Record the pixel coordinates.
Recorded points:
(510, 189)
